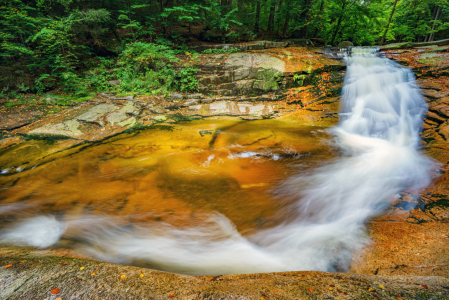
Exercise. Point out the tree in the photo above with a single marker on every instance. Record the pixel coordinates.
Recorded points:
(388, 24)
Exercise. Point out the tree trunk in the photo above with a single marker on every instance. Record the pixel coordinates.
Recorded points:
(271, 17)
(304, 16)
(388, 24)
(256, 25)
(340, 19)
(278, 8)
(432, 34)
(287, 20)
(162, 21)
(321, 11)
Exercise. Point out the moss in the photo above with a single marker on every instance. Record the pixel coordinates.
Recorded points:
(267, 79)
(443, 203)
(47, 137)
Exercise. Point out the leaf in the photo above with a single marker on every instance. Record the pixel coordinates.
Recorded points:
(375, 296)
(122, 276)
(32, 266)
(399, 297)
(311, 290)
(22, 262)
(93, 274)
(381, 286)
(370, 289)
(141, 275)
(331, 285)
(59, 299)
(425, 286)
(55, 291)
(263, 298)
(7, 266)
(172, 295)
(64, 264)
(82, 268)
(330, 289)
(338, 291)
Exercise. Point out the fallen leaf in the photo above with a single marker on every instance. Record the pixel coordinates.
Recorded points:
(141, 275)
(330, 289)
(132, 284)
(345, 293)
(399, 297)
(338, 291)
(381, 286)
(55, 291)
(375, 296)
(122, 276)
(93, 274)
(332, 285)
(275, 291)
(32, 266)
(59, 299)
(22, 262)
(262, 298)
(370, 289)
(64, 264)
(96, 268)
(82, 268)
(7, 266)
(311, 290)
(172, 295)
(425, 286)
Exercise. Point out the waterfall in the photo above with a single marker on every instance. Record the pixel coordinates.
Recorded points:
(378, 138)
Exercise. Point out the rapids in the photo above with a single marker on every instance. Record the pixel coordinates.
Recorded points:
(315, 200)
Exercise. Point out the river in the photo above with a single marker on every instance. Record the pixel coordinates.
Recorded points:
(226, 196)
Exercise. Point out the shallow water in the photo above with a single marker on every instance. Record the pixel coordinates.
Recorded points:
(226, 196)
(182, 177)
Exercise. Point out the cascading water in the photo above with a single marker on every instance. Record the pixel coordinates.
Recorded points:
(378, 136)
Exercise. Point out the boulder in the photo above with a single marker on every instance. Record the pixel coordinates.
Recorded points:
(345, 44)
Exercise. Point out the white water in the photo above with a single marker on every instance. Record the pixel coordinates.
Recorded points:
(378, 134)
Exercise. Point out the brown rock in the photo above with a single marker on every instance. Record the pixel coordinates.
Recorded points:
(434, 93)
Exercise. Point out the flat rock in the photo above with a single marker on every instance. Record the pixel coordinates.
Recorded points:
(121, 114)
(249, 60)
(12, 121)
(232, 108)
(65, 129)
(93, 114)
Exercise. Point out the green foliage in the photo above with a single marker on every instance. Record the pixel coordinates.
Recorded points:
(218, 51)
(80, 46)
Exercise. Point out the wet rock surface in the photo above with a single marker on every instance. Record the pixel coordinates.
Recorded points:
(35, 274)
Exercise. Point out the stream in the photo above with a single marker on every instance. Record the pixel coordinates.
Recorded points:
(222, 196)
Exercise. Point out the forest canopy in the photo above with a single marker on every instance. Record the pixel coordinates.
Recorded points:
(49, 42)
